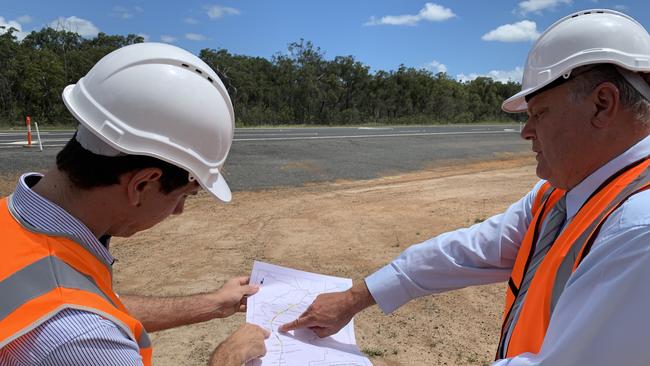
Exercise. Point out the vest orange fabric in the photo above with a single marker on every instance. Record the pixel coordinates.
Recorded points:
(529, 330)
(40, 275)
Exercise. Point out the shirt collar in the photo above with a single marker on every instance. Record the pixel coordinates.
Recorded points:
(50, 218)
(580, 193)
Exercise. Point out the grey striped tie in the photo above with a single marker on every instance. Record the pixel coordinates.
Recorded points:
(554, 223)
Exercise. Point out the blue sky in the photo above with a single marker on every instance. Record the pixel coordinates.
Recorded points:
(464, 38)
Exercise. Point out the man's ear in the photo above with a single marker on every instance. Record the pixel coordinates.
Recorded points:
(607, 102)
(140, 181)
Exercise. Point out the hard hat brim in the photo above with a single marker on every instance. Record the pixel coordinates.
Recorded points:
(517, 103)
(219, 189)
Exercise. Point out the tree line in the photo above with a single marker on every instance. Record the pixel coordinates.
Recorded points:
(299, 86)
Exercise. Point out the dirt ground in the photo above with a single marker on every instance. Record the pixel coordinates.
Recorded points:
(346, 229)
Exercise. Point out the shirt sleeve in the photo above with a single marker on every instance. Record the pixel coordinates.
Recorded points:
(601, 318)
(100, 347)
(75, 338)
(481, 254)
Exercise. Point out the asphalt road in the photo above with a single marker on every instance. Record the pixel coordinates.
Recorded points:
(264, 158)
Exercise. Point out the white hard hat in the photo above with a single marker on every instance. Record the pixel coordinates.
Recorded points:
(583, 38)
(158, 100)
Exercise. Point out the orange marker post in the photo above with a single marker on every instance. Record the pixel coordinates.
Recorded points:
(29, 131)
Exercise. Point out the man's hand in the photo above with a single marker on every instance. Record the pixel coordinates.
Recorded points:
(247, 343)
(331, 312)
(231, 297)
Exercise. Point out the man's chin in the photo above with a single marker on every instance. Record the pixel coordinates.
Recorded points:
(542, 172)
(552, 180)
(124, 233)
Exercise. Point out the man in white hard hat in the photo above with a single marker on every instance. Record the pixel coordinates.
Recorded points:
(155, 126)
(575, 250)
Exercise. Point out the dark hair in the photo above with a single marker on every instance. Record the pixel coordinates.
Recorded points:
(88, 170)
(591, 76)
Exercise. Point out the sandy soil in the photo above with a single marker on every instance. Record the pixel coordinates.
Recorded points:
(346, 229)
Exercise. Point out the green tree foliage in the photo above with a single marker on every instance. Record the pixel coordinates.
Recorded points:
(297, 86)
(34, 71)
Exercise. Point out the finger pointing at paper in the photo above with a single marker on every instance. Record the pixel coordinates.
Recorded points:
(332, 311)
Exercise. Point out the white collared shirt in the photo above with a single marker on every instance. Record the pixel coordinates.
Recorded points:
(600, 318)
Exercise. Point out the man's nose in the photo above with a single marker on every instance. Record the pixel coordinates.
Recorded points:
(179, 208)
(528, 132)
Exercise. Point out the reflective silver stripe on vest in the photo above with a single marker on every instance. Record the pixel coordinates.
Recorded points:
(40, 278)
(566, 267)
(144, 341)
(546, 195)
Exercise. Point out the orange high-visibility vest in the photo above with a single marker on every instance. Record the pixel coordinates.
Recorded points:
(525, 332)
(42, 274)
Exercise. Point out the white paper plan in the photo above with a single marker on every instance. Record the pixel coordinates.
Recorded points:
(286, 293)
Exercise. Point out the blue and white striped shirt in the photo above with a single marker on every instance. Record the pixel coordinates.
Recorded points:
(72, 337)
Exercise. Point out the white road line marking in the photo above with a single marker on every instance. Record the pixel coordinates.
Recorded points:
(367, 136)
(24, 142)
(282, 134)
(33, 146)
